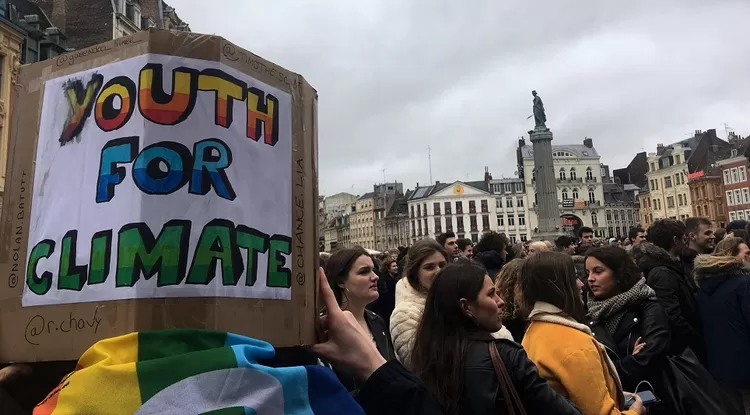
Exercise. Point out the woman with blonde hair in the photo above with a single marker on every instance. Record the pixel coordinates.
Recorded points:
(507, 287)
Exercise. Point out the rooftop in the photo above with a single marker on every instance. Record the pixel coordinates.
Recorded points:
(576, 150)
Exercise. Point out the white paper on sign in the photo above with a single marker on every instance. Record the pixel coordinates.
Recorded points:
(161, 176)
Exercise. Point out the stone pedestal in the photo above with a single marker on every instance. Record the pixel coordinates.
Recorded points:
(548, 210)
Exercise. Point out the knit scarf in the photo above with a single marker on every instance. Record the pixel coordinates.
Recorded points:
(611, 310)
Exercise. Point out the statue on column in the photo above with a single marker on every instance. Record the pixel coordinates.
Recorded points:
(540, 118)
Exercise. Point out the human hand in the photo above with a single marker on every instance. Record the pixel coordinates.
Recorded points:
(637, 405)
(639, 345)
(345, 345)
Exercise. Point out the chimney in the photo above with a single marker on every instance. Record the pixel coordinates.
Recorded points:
(588, 142)
(659, 149)
(521, 142)
(53, 34)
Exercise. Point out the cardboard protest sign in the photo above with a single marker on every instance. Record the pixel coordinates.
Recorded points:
(159, 181)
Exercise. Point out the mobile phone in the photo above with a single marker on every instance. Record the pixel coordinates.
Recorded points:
(647, 397)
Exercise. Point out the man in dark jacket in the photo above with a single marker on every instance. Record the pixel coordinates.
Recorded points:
(659, 260)
(724, 308)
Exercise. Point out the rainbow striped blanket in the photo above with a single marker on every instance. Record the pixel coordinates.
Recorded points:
(193, 372)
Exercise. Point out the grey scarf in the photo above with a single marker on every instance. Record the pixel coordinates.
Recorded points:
(611, 310)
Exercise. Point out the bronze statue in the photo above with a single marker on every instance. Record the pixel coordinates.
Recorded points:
(540, 118)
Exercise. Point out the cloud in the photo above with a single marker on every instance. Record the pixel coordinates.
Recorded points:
(395, 77)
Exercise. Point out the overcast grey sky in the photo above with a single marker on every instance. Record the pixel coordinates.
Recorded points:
(395, 76)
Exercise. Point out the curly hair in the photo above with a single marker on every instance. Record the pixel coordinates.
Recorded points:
(506, 283)
(492, 241)
(624, 270)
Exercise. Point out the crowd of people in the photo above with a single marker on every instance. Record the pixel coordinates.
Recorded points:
(658, 322)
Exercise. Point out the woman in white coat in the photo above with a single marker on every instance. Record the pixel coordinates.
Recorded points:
(424, 260)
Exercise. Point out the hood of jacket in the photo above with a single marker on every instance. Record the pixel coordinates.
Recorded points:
(649, 256)
(490, 259)
(711, 271)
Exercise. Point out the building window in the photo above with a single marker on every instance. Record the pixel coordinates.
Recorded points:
(472, 206)
(513, 239)
(575, 193)
(499, 203)
(700, 211)
(523, 237)
(436, 208)
(474, 237)
(677, 159)
(485, 208)
(419, 211)
(594, 220)
(652, 167)
(735, 175)
(449, 224)
(511, 220)
(473, 223)
(438, 225)
(737, 196)
(592, 196)
(572, 173)
(519, 187)
(521, 220)
(651, 184)
(460, 224)
(564, 194)
(679, 200)
(500, 221)
(745, 195)
(726, 177)
(459, 208)
(562, 174)
(589, 174)
(519, 202)
(667, 182)
(485, 222)
(447, 206)
(730, 198)
(509, 203)
(743, 174)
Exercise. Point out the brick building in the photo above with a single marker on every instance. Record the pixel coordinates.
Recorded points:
(707, 193)
(90, 22)
(734, 171)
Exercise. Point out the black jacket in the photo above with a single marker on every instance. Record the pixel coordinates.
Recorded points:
(393, 390)
(382, 337)
(724, 309)
(386, 301)
(482, 394)
(492, 262)
(666, 276)
(648, 321)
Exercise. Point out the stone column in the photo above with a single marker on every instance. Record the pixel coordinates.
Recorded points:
(548, 210)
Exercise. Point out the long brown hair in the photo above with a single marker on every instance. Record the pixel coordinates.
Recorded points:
(550, 277)
(417, 254)
(338, 267)
(506, 283)
(442, 337)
